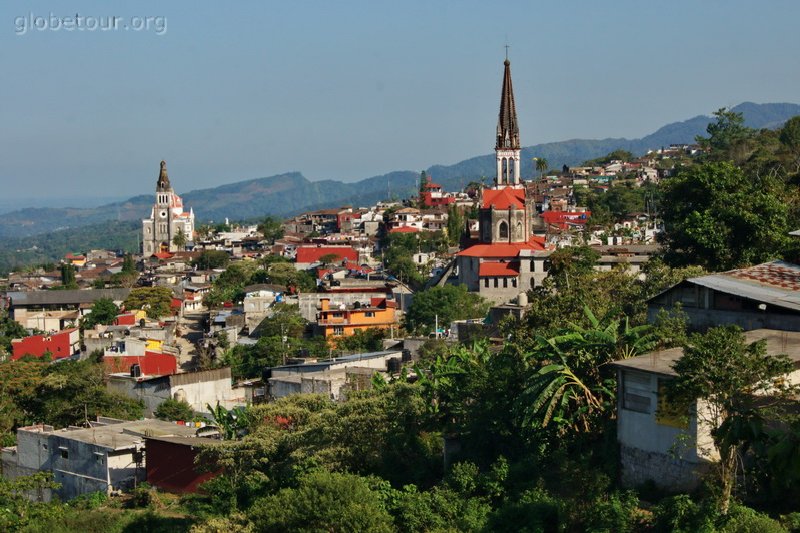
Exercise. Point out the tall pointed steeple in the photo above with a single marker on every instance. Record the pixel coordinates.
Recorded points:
(163, 179)
(507, 128)
(507, 146)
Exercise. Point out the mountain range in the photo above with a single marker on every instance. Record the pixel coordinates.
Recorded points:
(290, 193)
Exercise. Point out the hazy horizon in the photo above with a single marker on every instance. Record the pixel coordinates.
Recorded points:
(351, 91)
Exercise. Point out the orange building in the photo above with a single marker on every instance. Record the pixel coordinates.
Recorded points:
(344, 321)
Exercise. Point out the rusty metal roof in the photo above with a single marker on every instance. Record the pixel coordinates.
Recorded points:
(776, 283)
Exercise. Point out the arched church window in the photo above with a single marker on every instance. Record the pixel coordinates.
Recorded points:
(503, 230)
(519, 230)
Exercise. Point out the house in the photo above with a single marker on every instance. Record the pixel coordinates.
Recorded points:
(407, 217)
(65, 343)
(309, 256)
(332, 377)
(198, 389)
(760, 296)
(258, 299)
(149, 363)
(105, 457)
(433, 195)
(172, 463)
(55, 310)
(656, 443)
(344, 320)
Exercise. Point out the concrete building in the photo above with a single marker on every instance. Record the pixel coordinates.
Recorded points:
(167, 219)
(334, 323)
(761, 296)
(56, 310)
(59, 345)
(659, 444)
(105, 457)
(333, 377)
(198, 389)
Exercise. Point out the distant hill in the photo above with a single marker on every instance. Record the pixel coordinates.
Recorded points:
(290, 193)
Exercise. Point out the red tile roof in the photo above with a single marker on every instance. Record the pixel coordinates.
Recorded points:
(312, 254)
(497, 269)
(504, 198)
(404, 229)
(504, 249)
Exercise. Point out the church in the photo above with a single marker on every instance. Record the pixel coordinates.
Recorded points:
(507, 259)
(167, 220)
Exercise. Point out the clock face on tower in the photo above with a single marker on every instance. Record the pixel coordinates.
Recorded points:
(163, 214)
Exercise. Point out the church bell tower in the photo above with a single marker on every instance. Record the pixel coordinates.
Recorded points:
(507, 148)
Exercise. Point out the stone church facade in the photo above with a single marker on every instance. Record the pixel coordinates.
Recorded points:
(507, 259)
(167, 220)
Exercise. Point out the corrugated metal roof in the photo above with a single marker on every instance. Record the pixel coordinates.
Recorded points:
(66, 296)
(775, 283)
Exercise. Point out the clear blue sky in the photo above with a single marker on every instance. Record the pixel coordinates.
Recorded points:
(347, 90)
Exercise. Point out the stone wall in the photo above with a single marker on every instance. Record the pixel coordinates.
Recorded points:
(666, 471)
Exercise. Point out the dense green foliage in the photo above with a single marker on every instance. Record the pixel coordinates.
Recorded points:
(104, 311)
(62, 394)
(155, 301)
(448, 303)
(172, 410)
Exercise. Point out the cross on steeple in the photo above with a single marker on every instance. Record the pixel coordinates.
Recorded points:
(506, 47)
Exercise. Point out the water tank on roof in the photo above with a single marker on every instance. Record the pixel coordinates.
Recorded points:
(406, 355)
(522, 299)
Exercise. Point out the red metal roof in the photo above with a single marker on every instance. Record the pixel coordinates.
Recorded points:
(511, 249)
(564, 218)
(498, 269)
(504, 198)
(312, 254)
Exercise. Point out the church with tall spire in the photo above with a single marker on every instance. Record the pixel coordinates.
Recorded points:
(507, 258)
(167, 220)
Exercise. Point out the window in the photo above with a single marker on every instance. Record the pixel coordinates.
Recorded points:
(514, 282)
(496, 283)
(64, 453)
(636, 391)
(338, 331)
(369, 314)
(486, 282)
(670, 413)
(505, 283)
(503, 230)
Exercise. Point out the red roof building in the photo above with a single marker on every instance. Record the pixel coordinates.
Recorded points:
(308, 255)
(65, 343)
(150, 364)
(565, 219)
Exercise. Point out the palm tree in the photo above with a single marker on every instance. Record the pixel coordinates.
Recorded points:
(571, 388)
(541, 166)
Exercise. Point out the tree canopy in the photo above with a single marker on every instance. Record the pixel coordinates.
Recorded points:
(450, 302)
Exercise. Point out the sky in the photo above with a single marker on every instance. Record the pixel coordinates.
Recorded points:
(347, 90)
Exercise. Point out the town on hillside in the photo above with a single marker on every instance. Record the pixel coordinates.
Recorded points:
(572, 311)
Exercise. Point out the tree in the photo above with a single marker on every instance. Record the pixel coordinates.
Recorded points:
(68, 276)
(362, 340)
(455, 225)
(212, 259)
(323, 501)
(717, 217)
(172, 410)
(104, 311)
(179, 239)
(330, 259)
(155, 301)
(541, 166)
(736, 381)
(271, 229)
(286, 274)
(128, 264)
(790, 139)
(448, 303)
(726, 136)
